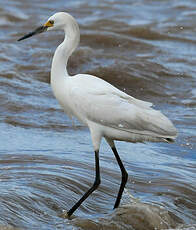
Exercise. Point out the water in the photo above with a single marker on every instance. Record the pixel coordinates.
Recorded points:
(145, 48)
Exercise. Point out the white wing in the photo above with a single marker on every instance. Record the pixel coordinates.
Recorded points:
(104, 104)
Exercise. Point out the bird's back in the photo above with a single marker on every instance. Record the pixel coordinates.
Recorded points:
(95, 101)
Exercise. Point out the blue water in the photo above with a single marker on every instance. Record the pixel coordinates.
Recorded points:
(144, 48)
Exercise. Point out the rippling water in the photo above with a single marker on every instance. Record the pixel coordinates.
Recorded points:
(147, 49)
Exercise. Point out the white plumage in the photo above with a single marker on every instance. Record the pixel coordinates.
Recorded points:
(107, 111)
(111, 113)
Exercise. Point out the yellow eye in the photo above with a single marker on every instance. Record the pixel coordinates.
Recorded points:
(51, 22)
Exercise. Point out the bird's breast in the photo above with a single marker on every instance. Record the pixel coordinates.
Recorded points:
(63, 94)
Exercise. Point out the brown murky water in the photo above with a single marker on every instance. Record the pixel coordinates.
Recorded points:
(146, 48)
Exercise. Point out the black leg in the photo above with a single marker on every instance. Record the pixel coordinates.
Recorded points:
(93, 188)
(124, 177)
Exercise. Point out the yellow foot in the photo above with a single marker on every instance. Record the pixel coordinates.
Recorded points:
(65, 215)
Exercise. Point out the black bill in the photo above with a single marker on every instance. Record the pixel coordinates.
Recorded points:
(39, 30)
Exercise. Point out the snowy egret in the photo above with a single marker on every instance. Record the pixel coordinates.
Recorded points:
(104, 109)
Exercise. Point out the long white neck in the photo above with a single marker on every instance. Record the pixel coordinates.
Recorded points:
(64, 50)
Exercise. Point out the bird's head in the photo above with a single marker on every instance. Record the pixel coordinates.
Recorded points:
(57, 21)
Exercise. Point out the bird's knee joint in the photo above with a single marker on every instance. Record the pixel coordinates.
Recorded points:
(97, 183)
(125, 175)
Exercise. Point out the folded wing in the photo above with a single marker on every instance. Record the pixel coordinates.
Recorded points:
(108, 106)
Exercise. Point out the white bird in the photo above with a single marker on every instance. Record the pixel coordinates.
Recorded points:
(104, 109)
